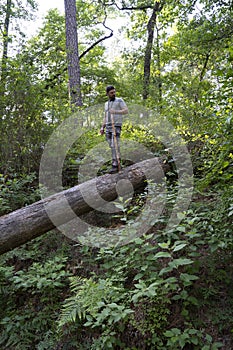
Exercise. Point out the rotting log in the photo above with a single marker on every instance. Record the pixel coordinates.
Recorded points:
(27, 223)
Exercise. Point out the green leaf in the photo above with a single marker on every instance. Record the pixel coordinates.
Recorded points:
(181, 216)
(162, 255)
(182, 342)
(165, 270)
(188, 278)
(164, 245)
(195, 340)
(217, 345)
(169, 334)
(180, 262)
(209, 338)
(176, 331)
(181, 229)
(170, 280)
(193, 300)
(138, 276)
(193, 331)
(138, 241)
(179, 247)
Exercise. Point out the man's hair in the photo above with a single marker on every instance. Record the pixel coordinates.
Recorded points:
(109, 88)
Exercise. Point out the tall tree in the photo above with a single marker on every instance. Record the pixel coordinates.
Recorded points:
(6, 37)
(72, 53)
(10, 11)
(151, 25)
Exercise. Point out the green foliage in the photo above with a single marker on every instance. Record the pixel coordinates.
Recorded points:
(141, 288)
(139, 279)
(91, 301)
(178, 339)
(214, 218)
(142, 135)
(217, 157)
(25, 320)
(21, 330)
(37, 278)
(17, 191)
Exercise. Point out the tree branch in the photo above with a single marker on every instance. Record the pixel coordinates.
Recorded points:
(99, 40)
(50, 82)
(143, 7)
(204, 66)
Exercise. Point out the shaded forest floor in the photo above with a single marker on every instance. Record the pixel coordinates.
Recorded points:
(35, 283)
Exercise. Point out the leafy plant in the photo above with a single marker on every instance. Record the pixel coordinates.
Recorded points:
(178, 339)
(25, 319)
(38, 277)
(17, 191)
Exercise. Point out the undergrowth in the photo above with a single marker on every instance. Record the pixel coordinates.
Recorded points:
(168, 290)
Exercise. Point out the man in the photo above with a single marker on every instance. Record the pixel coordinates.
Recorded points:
(115, 108)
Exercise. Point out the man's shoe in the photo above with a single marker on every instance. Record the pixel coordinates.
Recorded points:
(113, 170)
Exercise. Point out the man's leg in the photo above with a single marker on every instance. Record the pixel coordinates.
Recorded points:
(116, 155)
(115, 148)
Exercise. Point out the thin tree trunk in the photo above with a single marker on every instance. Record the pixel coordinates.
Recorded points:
(159, 80)
(72, 53)
(148, 52)
(6, 30)
(32, 221)
(5, 45)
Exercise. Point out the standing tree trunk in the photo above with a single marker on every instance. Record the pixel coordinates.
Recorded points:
(148, 53)
(159, 79)
(5, 39)
(72, 53)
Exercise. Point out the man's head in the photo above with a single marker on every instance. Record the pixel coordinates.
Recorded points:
(111, 92)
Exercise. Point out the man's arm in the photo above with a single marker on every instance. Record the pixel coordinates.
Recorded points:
(123, 110)
(103, 125)
(120, 111)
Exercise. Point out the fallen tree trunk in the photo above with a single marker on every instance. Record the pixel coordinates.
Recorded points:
(36, 219)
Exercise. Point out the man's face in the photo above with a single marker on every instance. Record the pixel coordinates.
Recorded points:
(112, 94)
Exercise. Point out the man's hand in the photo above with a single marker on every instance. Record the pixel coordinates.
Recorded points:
(102, 131)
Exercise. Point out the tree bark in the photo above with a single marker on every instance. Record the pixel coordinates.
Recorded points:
(159, 79)
(148, 52)
(32, 221)
(5, 40)
(72, 53)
